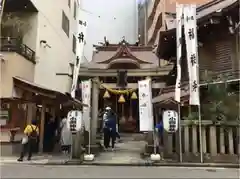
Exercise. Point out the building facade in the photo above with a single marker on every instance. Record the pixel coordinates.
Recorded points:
(38, 44)
(51, 35)
(161, 14)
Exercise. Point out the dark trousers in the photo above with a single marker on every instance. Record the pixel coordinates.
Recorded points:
(28, 148)
(113, 138)
(106, 137)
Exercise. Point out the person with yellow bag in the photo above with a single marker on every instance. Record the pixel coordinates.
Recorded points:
(30, 140)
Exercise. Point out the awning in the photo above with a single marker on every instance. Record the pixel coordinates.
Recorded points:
(28, 85)
(58, 97)
(169, 92)
(13, 99)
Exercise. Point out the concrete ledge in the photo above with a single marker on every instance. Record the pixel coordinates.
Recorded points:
(144, 164)
(147, 163)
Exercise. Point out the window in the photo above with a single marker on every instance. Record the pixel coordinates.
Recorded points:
(69, 3)
(65, 23)
(74, 43)
(75, 10)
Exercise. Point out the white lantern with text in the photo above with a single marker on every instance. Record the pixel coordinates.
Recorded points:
(75, 121)
(170, 121)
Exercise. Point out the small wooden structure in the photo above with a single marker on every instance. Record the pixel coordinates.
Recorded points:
(29, 101)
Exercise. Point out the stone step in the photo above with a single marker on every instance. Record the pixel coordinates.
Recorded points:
(127, 136)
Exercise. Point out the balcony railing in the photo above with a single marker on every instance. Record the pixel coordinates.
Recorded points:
(9, 44)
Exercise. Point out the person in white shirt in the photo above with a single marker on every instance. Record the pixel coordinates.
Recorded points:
(65, 136)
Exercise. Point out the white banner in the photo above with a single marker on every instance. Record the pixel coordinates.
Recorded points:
(179, 18)
(81, 36)
(86, 99)
(145, 105)
(190, 32)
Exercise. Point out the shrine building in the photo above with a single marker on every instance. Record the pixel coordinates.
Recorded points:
(115, 71)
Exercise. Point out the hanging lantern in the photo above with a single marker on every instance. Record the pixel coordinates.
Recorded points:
(134, 96)
(121, 99)
(106, 94)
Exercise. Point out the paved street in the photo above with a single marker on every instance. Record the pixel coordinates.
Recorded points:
(27, 171)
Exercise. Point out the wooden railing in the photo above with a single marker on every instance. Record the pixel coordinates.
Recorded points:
(9, 44)
(220, 142)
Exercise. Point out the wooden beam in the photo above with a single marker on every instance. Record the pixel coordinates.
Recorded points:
(139, 72)
(42, 124)
(35, 91)
(133, 85)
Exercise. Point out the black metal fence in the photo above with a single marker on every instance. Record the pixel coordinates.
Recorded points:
(9, 44)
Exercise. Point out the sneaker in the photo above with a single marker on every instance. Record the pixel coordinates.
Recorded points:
(29, 159)
(20, 160)
(113, 149)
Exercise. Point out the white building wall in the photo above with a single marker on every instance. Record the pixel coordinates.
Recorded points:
(111, 18)
(57, 58)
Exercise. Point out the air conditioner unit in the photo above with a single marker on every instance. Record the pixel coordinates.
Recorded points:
(2, 57)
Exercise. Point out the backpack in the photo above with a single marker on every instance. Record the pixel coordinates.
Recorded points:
(33, 134)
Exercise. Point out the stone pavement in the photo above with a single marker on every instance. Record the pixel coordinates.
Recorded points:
(127, 152)
(36, 159)
(62, 171)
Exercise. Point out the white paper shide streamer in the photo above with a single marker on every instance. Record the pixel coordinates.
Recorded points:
(192, 53)
(86, 99)
(179, 18)
(81, 36)
(145, 105)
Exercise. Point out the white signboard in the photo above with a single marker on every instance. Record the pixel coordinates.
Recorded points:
(75, 121)
(170, 121)
(81, 36)
(190, 31)
(179, 18)
(86, 99)
(145, 105)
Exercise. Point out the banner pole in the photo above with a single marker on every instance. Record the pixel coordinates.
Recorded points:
(71, 151)
(200, 132)
(180, 132)
(89, 136)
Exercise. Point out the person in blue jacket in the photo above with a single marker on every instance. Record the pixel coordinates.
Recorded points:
(112, 122)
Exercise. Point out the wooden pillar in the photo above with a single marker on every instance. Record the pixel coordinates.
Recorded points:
(30, 106)
(42, 123)
(94, 112)
(150, 133)
(29, 113)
